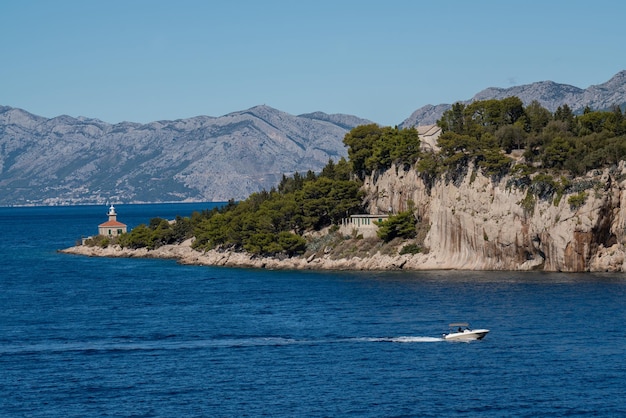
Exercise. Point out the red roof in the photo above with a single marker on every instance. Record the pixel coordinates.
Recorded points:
(111, 224)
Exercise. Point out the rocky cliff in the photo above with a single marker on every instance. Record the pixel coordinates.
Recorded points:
(473, 224)
(480, 224)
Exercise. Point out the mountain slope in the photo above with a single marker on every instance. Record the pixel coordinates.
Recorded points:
(549, 94)
(80, 160)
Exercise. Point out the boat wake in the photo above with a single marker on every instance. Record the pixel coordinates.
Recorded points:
(406, 339)
(94, 347)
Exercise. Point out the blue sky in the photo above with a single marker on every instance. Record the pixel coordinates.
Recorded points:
(147, 60)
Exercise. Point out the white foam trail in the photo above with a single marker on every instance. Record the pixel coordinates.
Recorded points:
(108, 345)
(406, 339)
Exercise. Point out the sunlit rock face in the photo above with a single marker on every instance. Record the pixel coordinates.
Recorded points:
(477, 223)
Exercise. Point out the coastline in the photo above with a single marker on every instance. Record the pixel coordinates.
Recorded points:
(608, 260)
(184, 254)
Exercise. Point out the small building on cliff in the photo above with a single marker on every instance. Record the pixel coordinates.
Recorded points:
(365, 225)
(428, 135)
(112, 227)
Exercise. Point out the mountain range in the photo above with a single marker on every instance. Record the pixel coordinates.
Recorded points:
(549, 94)
(67, 160)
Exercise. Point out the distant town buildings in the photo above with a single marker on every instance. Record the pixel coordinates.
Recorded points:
(112, 227)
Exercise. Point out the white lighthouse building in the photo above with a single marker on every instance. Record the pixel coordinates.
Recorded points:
(112, 227)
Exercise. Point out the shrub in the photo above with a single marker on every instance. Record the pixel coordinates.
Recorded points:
(528, 203)
(401, 225)
(410, 249)
(98, 241)
(577, 200)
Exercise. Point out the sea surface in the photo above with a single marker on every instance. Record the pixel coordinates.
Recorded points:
(87, 337)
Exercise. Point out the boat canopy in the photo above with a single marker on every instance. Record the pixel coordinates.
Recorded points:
(459, 324)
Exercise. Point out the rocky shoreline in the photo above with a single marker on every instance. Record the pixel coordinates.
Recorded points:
(184, 254)
(478, 224)
(607, 260)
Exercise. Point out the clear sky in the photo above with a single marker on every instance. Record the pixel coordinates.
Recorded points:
(147, 60)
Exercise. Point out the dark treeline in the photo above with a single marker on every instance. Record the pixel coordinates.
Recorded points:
(268, 222)
(483, 131)
(273, 222)
(550, 149)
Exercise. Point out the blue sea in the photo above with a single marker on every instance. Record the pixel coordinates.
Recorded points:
(86, 337)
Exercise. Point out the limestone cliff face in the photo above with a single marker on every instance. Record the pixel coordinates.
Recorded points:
(482, 225)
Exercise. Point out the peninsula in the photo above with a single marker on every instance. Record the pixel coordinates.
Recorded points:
(500, 186)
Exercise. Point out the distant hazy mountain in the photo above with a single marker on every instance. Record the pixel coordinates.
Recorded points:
(549, 94)
(67, 160)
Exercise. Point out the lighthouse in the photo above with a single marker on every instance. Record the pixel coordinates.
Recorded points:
(112, 227)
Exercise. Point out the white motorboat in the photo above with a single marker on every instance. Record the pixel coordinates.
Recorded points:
(461, 331)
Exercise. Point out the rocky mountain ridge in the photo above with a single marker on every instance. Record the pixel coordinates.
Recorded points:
(549, 94)
(66, 160)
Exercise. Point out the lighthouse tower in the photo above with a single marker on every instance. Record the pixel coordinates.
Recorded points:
(112, 227)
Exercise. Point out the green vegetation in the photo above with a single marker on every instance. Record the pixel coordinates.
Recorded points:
(98, 241)
(372, 148)
(267, 223)
(401, 225)
(541, 153)
(271, 223)
(159, 232)
(560, 145)
(485, 131)
(410, 249)
(528, 203)
(577, 200)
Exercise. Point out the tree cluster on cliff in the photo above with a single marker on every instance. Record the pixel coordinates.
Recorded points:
(484, 131)
(266, 223)
(371, 148)
(273, 222)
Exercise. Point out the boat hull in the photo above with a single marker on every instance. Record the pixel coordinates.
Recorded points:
(467, 335)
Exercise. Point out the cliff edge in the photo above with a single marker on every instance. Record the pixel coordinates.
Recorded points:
(481, 224)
